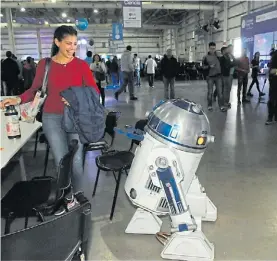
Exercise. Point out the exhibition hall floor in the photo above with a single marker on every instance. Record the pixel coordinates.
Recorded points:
(238, 171)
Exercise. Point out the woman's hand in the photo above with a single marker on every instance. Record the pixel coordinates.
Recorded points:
(10, 101)
(65, 101)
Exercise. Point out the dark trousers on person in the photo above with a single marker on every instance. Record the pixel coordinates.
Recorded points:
(102, 93)
(151, 79)
(242, 82)
(254, 80)
(12, 87)
(272, 101)
(227, 86)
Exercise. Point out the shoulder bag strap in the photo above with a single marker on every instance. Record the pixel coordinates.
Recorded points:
(45, 77)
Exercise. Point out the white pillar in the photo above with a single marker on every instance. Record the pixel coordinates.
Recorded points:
(161, 45)
(176, 39)
(10, 30)
(225, 22)
(39, 44)
(170, 39)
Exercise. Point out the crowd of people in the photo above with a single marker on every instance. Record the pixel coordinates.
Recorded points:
(16, 76)
(220, 72)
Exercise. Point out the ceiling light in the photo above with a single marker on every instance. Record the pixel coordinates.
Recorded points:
(46, 22)
(64, 15)
(1, 15)
(68, 20)
(22, 9)
(95, 11)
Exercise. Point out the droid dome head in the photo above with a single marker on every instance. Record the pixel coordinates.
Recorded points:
(181, 124)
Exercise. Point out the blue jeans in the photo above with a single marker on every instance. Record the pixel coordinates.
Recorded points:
(115, 79)
(128, 79)
(59, 140)
(217, 81)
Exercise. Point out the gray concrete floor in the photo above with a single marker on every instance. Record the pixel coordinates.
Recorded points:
(239, 172)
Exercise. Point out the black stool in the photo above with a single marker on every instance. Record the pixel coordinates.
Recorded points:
(117, 162)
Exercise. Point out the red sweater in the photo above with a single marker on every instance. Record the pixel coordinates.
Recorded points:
(61, 77)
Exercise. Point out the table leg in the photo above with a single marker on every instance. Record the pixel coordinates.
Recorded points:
(22, 168)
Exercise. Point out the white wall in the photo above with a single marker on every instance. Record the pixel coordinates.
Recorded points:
(26, 41)
(193, 47)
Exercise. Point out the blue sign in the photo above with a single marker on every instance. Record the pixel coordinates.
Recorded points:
(259, 31)
(117, 32)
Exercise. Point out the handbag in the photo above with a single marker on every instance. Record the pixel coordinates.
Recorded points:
(31, 110)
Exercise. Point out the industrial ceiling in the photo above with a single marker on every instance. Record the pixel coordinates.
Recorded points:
(98, 11)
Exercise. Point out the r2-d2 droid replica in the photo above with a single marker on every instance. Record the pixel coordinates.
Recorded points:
(162, 180)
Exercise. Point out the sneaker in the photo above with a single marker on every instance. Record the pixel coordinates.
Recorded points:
(261, 94)
(229, 105)
(223, 109)
(116, 95)
(269, 122)
(249, 94)
(133, 98)
(70, 203)
(210, 108)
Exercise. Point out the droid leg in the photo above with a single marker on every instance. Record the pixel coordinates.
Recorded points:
(200, 204)
(144, 222)
(187, 242)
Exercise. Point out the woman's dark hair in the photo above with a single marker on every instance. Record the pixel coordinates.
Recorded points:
(93, 59)
(255, 55)
(59, 34)
(29, 59)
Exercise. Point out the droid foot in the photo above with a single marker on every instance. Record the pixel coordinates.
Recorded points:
(144, 222)
(193, 246)
(211, 211)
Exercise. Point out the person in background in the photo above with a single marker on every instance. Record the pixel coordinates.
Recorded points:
(137, 69)
(127, 69)
(29, 72)
(211, 64)
(150, 66)
(108, 74)
(243, 68)
(114, 69)
(230, 51)
(255, 65)
(226, 64)
(98, 68)
(10, 74)
(65, 71)
(272, 101)
(88, 59)
(169, 70)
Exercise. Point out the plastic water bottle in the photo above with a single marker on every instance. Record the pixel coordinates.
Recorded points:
(12, 123)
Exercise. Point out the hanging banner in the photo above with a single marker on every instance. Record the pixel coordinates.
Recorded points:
(259, 32)
(132, 13)
(117, 32)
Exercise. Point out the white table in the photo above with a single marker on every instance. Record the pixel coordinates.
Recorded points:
(10, 147)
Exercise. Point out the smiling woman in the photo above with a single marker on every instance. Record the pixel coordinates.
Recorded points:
(65, 71)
